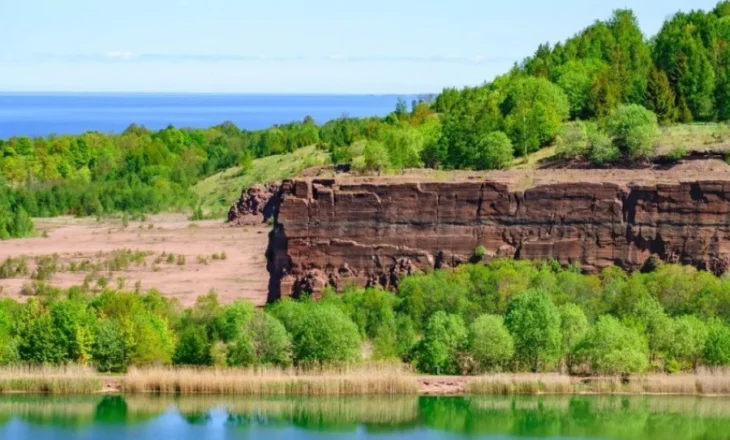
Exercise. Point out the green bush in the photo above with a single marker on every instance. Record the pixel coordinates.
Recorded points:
(612, 348)
(689, 336)
(326, 334)
(572, 141)
(241, 351)
(678, 152)
(495, 152)
(371, 309)
(534, 110)
(110, 352)
(534, 322)
(40, 343)
(490, 344)
(717, 346)
(270, 341)
(290, 313)
(402, 148)
(193, 348)
(603, 150)
(233, 320)
(153, 341)
(375, 157)
(444, 339)
(480, 251)
(634, 129)
(573, 326)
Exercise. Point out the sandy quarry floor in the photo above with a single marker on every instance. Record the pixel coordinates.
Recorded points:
(241, 275)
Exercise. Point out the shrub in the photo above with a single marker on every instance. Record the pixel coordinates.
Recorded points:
(717, 346)
(490, 343)
(635, 130)
(534, 110)
(423, 295)
(404, 147)
(534, 322)
(480, 251)
(72, 322)
(241, 351)
(110, 352)
(371, 309)
(233, 319)
(326, 334)
(613, 348)
(573, 326)
(375, 156)
(152, 340)
(270, 342)
(495, 151)
(40, 344)
(290, 313)
(689, 336)
(572, 141)
(603, 150)
(444, 338)
(193, 348)
(678, 152)
(406, 337)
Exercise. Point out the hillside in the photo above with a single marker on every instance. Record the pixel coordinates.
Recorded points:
(603, 97)
(218, 192)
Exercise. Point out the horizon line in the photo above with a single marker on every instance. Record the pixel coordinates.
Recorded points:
(111, 92)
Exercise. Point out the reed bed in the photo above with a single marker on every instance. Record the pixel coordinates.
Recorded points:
(372, 379)
(49, 380)
(368, 379)
(705, 382)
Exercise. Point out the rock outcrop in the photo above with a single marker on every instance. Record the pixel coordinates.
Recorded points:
(330, 232)
(256, 205)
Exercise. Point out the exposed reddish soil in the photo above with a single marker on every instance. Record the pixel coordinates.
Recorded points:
(242, 275)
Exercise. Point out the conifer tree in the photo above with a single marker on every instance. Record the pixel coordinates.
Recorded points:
(660, 98)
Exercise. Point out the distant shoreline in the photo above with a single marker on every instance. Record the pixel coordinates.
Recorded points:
(41, 114)
(144, 93)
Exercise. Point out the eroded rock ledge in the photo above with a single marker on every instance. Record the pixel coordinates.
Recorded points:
(372, 231)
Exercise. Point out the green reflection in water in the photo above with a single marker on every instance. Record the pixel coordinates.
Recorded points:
(578, 416)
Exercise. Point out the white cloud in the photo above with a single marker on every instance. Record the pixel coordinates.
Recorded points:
(119, 55)
(126, 56)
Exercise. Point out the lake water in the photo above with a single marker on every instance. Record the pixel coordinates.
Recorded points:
(42, 114)
(216, 418)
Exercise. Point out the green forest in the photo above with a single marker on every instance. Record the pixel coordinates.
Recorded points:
(601, 96)
(506, 315)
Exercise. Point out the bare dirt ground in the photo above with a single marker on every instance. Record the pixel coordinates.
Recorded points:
(236, 271)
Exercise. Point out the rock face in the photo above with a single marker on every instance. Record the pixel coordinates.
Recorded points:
(330, 232)
(256, 205)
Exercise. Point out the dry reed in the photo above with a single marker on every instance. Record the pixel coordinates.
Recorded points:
(49, 380)
(368, 379)
(705, 382)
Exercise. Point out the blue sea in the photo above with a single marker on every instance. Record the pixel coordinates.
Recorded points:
(37, 114)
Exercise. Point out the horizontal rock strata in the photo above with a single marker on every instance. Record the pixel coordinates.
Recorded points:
(340, 231)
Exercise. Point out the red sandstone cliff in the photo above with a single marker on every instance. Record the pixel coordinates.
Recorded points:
(371, 231)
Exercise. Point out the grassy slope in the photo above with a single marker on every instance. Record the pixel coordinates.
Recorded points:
(218, 192)
(701, 137)
(695, 137)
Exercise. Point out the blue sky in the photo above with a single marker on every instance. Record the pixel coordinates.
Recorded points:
(286, 46)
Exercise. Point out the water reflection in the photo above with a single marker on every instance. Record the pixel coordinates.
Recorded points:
(159, 417)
